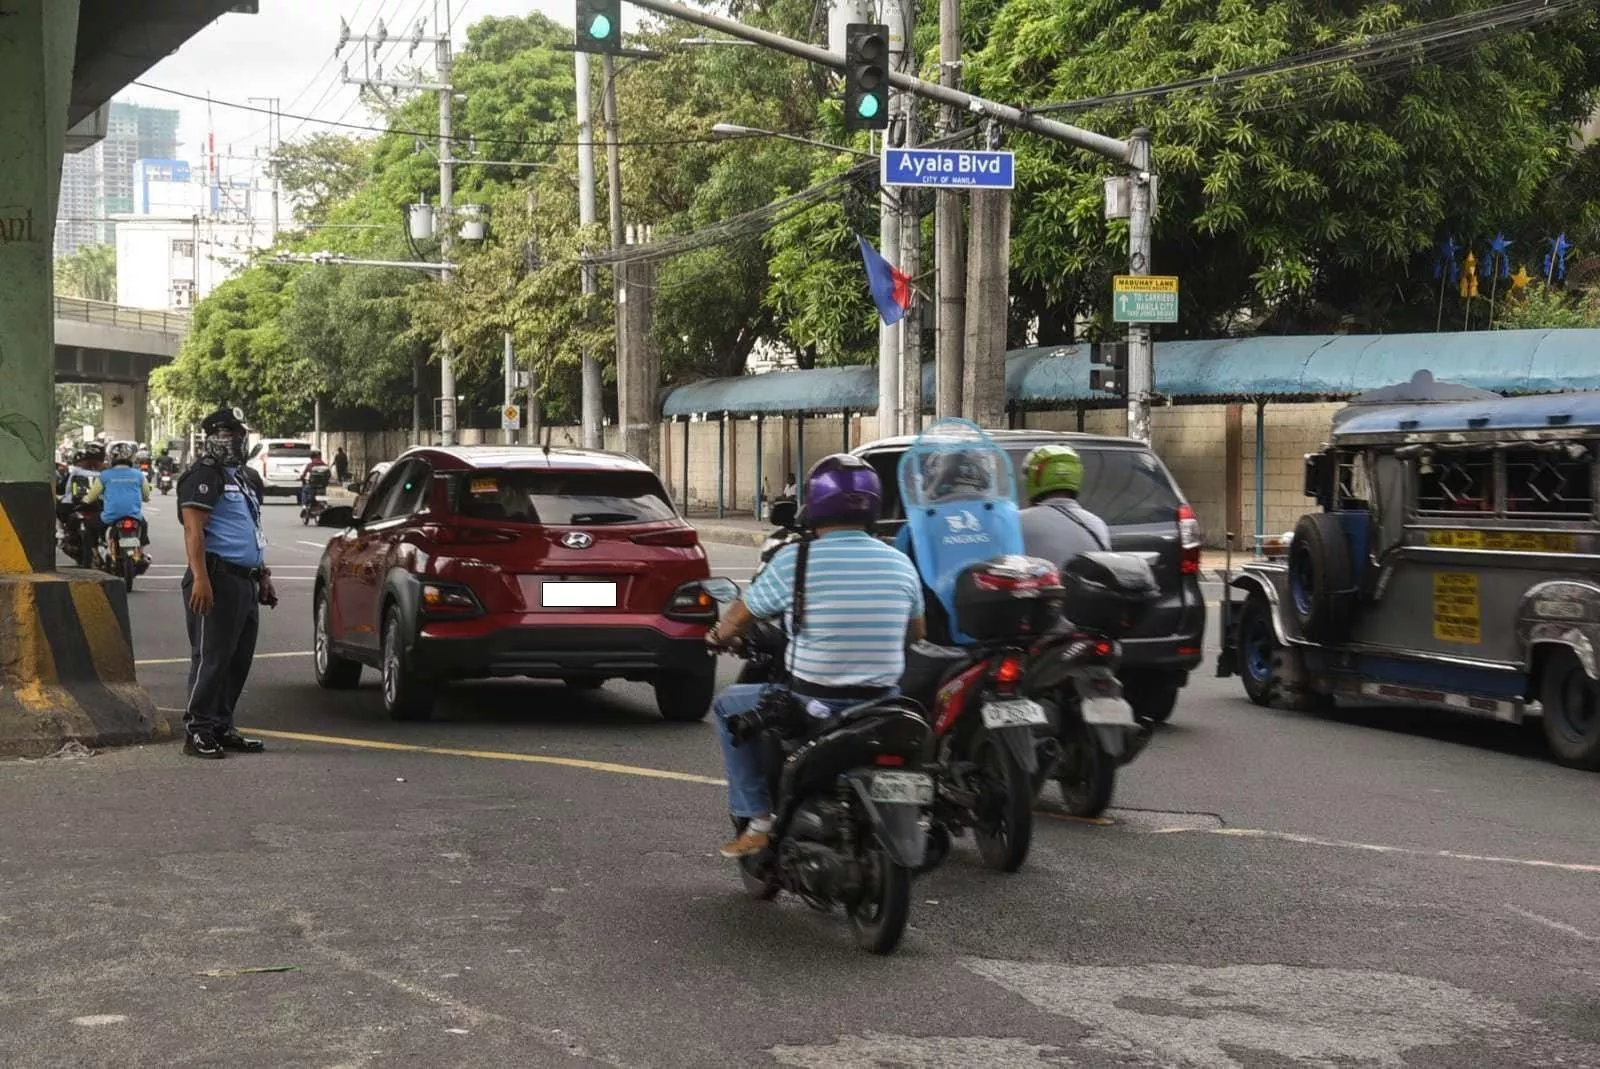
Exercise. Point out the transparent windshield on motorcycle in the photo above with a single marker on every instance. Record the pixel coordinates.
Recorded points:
(954, 460)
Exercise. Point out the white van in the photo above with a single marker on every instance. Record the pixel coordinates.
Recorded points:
(279, 462)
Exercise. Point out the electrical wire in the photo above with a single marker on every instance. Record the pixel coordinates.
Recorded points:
(1460, 32)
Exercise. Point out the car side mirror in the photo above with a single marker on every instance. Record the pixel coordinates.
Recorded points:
(1318, 475)
(785, 514)
(337, 516)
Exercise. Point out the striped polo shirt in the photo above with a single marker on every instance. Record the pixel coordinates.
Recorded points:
(861, 595)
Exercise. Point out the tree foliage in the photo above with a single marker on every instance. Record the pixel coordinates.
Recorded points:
(90, 273)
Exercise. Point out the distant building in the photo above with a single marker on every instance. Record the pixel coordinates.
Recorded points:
(169, 263)
(98, 182)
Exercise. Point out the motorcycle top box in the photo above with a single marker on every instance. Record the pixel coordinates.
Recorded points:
(1008, 597)
(1108, 593)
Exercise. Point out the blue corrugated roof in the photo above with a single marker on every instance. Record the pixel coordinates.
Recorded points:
(1288, 367)
(1501, 414)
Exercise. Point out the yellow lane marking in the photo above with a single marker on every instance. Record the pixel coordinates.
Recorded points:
(1068, 818)
(1376, 848)
(494, 755)
(108, 647)
(185, 660)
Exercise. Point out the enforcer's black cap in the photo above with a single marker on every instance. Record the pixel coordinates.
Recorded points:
(230, 419)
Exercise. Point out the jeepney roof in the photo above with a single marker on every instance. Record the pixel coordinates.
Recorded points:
(1540, 416)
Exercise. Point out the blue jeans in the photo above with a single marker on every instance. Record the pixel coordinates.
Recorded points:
(747, 781)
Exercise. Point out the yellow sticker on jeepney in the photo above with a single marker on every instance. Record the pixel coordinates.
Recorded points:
(1508, 541)
(485, 486)
(1457, 616)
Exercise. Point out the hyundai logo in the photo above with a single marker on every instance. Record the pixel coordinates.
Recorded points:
(577, 540)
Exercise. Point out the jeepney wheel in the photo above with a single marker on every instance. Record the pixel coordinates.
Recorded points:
(1321, 578)
(1571, 703)
(1257, 649)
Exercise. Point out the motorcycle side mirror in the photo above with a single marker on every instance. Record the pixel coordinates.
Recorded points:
(722, 591)
(785, 514)
(336, 516)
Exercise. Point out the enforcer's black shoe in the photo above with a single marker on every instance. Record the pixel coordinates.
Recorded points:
(202, 744)
(232, 740)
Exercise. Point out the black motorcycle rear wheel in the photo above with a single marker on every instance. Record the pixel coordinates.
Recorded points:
(878, 918)
(1087, 774)
(128, 568)
(759, 885)
(1004, 826)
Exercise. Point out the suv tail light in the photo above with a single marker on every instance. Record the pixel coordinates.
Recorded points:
(680, 537)
(466, 536)
(691, 603)
(449, 600)
(1189, 536)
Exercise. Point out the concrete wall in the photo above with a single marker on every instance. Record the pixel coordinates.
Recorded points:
(1192, 440)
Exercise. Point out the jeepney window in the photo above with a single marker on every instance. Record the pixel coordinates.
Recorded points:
(1549, 483)
(1456, 482)
(1354, 485)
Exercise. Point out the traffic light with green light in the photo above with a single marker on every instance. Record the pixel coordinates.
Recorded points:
(599, 25)
(866, 76)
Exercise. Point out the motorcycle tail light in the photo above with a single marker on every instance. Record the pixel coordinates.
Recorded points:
(889, 760)
(128, 525)
(1102, 648)
(1009, 672)
(1015, 584)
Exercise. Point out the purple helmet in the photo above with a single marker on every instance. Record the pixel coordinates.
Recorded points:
(842, 491)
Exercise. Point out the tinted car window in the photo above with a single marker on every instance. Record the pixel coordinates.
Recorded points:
(563, 497)
(400, 494)
(1127, 486)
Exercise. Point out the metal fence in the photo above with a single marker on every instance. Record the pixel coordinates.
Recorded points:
(107, 314)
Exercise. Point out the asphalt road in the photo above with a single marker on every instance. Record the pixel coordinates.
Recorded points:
(517, 884)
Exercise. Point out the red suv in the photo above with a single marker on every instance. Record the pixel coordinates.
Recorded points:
(551, 564)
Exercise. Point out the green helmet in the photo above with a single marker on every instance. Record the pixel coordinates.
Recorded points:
(1052, 469)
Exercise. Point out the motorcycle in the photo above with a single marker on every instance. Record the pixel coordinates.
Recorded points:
(125, 556)
(1073, 671)
(75, 543)
(164, 481)
(316, 489)
(850, 803)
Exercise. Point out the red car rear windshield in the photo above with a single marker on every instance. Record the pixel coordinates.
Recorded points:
(559, 498)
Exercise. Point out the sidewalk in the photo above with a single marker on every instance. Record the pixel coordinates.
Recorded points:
(747, 531)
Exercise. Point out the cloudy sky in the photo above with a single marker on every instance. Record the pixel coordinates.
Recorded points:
(286, 51)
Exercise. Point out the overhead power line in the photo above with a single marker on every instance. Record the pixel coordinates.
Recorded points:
(1448, 36)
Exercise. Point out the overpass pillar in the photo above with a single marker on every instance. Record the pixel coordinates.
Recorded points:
(66, 659)
(124, 408)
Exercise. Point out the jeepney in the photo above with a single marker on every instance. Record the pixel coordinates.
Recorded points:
(1454, 562)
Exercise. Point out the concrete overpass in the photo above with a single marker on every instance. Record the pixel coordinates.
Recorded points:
(117, 347)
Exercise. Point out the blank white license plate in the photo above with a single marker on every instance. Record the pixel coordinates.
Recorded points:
(1108, 711)
(902, 788)
(128, 543)
(1012, 714)
(555, 595)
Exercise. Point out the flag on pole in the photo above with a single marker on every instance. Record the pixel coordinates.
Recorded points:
(891, 287)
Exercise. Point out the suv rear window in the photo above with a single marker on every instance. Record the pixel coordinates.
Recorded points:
(562, 497)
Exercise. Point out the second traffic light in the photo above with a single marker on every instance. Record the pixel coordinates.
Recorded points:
(599, 26)
(1111, 374)
(866, 76)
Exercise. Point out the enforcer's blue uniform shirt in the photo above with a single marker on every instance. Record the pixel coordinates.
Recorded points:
(233, 498)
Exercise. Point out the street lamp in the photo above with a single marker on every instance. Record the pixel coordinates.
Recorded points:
(728, 130)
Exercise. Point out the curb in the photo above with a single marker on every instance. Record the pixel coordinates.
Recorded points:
(66, 665)
(731, 536)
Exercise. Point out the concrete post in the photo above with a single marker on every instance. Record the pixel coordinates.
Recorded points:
(639, 377)
(124, 407)
(987, 307)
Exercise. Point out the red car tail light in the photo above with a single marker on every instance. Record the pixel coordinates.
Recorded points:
(678, 537)
(466, 536)
(442, 599)
(1189, 535)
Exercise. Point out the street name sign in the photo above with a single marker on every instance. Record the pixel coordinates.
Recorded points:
(949, 167)
(1144, 299)
(510, 417)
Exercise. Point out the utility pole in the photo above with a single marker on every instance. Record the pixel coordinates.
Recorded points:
(890, 386)
(1141, 350)
(370, 44)
(274, 144)
(949, 265)
(592, 399)
(627, 343)
(910, 238)
(987, 308)
(510, 370)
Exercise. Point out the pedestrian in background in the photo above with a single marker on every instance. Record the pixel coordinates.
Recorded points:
(219, 500)
(341, 466)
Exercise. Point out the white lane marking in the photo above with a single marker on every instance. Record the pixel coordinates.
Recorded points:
(1553, 924)
(185, 660)
(875, 1049)
(95, 1020)
(1192, 1017)
(315, 545)
(1378, 848)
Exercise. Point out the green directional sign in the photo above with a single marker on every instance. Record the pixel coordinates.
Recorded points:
(1144, 299)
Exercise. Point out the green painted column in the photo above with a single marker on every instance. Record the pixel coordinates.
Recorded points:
(38, 39)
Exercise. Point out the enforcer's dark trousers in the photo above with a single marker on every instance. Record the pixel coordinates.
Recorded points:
(222, 644)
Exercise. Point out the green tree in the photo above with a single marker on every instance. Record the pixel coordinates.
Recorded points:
(321, 171)
(90, 273)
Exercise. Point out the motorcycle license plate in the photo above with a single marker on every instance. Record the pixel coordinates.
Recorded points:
(128, 543)
(902, 788)
(1108, 711)
(1012, 714)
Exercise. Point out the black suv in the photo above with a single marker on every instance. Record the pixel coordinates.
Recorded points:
(1128, 487)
